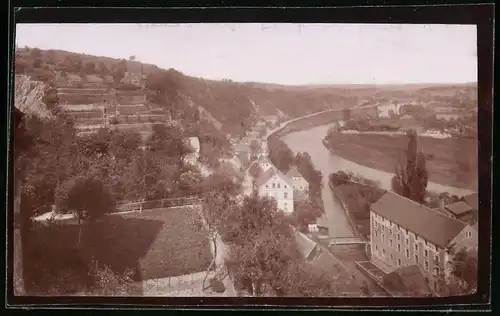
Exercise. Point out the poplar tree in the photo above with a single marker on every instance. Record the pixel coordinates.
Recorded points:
(411, 177)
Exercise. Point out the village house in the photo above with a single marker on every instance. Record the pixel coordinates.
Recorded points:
(264, 163)
(385, 110)
(405, 233)
(192, 158)
(271, 119)
(68, 80)
(134, 79)
(94, 81)
(274, 184)
(242, 151)
(299, 182)
(464, 210)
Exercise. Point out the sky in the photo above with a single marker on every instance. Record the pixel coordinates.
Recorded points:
(291, 54)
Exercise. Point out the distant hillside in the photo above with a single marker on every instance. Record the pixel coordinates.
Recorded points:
(230, 106)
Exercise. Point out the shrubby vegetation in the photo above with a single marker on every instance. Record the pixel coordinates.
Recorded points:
(358, 194)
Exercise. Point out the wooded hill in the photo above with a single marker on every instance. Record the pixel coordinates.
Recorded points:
(234, 105)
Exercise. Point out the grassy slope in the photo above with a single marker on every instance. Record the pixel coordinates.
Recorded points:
(450, 162)
(155, 244)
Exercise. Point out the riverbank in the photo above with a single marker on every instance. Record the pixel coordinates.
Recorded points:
(356, 199)
(384, 178)
(450, 162)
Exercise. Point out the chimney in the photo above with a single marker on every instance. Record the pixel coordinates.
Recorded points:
(441, 203)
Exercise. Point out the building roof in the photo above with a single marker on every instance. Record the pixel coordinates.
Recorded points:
(271, 172)
(73, 77)
(427, 223)
(458, 208)
(293, 172)
(306, 245)
(242, 148)
(270, 117)
(322, 221)
(264, 159)
(407, 280)
(243, 157)
(94, 78)
(195, 143)
(472, 200)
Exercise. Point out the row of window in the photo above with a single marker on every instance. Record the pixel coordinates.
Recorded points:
(426, 252)
(382, 227)
(276, 185)
(275, 195)
(426, 262)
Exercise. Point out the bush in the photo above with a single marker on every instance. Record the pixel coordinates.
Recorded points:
(217, 286)
(339, 178)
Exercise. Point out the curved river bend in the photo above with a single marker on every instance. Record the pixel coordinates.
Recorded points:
(311, 141)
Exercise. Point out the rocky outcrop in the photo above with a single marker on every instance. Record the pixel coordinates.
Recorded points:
(29, 95)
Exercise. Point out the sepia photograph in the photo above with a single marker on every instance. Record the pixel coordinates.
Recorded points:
(245, 160)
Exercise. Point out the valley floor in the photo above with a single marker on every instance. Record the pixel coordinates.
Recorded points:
(451, 162)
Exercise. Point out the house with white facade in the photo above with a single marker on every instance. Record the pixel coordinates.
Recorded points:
(272, 183)
(193, 157)
(385, 109)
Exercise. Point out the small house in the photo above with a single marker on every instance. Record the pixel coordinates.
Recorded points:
(194, 156)
(299, 182)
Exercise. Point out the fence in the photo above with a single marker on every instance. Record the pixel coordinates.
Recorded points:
(163, 203)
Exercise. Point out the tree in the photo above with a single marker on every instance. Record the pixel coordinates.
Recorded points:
(22, 142)
(254, 148)
(224, 179)
(465, 269)
(86, 197)
(302, 279)
(124, 143)
(90, 68)
(411, 177)
(215, 209)
(255, 171)
(119, 70)
(280, 154)
(305, 213)
(169, 140)
(189, 182)
(259, 262)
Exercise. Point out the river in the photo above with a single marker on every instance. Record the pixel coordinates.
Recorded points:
(311, 141)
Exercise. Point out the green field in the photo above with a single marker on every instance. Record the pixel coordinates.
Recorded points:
(450, 162)
(155, 244)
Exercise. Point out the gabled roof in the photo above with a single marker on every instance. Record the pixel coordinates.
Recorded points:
(427, 223)
(458, 208)
(471, 200)
(195, 143)
(293, 172)
(264, 159)
(407, 280)
(243, 157)
(306, 245)
(271, 172)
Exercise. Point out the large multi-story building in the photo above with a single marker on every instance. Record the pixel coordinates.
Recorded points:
(405, 233)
